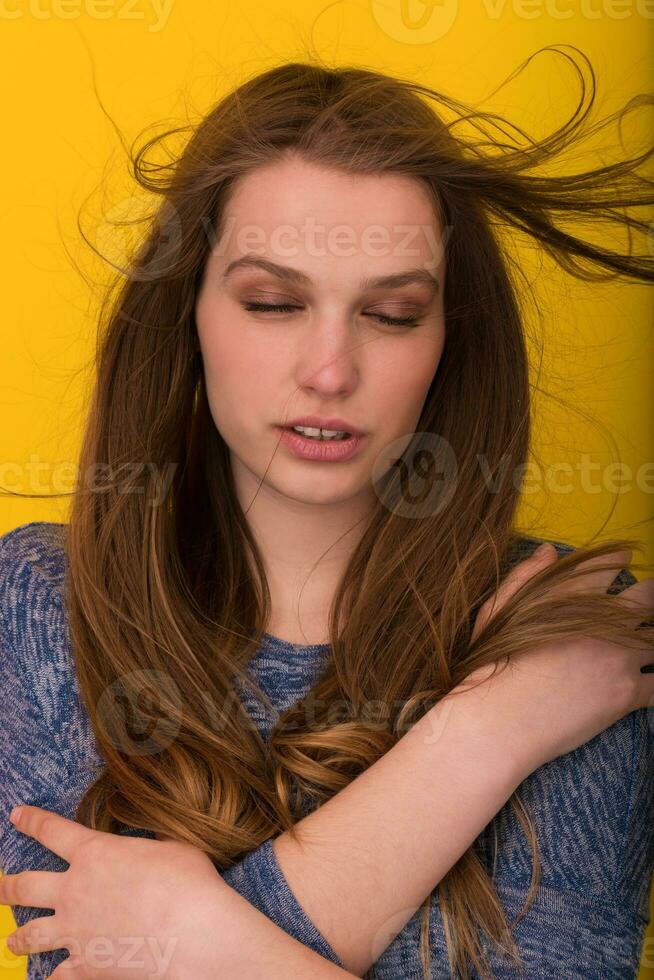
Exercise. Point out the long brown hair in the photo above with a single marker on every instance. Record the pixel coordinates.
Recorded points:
(167, 598)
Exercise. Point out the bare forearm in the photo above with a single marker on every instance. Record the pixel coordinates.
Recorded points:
(368, 857)
(229, 937)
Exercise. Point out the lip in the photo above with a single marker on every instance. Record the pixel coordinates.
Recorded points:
(320, 451)
(315, 422)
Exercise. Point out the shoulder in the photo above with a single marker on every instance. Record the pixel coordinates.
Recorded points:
(32, 569)
(38, 541)
(36, 652)
(591, 807)
(47, 751)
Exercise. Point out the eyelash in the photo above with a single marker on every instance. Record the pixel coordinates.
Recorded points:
(405, 321)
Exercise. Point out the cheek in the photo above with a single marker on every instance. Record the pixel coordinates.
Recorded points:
(404, 378)
(240, 382)
(229, 363)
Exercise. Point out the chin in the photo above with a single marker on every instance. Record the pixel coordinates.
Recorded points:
(318, 488)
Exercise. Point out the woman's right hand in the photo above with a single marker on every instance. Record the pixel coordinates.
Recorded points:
(557, 696)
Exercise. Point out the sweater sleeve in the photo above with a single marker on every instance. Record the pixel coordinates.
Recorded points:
(259, 878)
(47, 756)
(31, 771)
(633, 883)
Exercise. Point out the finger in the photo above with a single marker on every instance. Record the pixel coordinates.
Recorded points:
(642, 653)
(57, 833)
(597, 572)
(544, 555)
(36, 936)
(39, 889)
(639, 597)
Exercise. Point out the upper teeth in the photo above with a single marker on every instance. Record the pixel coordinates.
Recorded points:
(319, 433)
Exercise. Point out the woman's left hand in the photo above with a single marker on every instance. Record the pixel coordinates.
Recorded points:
(126, 906)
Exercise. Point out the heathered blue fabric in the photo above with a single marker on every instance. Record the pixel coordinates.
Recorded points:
(593, 808)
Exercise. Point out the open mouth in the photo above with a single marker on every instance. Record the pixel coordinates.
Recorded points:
(319, 449)
(320, 437)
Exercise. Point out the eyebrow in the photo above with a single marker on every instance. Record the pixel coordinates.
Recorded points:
(392, 281)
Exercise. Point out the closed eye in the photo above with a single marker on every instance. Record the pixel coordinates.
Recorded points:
(412, 320)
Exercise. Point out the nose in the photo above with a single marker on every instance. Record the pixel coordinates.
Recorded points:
(329, 357)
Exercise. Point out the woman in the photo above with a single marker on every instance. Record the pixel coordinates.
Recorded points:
(325, 257)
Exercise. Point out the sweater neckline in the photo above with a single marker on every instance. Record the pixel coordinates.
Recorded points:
(278, 643)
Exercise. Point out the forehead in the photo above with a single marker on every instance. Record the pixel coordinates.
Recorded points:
(294, 209)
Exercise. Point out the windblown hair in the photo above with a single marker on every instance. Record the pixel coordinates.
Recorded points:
(167, 599)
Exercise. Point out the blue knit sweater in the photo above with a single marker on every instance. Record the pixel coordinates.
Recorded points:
(593, 808)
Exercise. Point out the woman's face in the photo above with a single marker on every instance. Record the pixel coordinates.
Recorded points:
(323, 234)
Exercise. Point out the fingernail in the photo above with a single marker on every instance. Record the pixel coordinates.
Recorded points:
(11, 941)
(542, 549)
(15, 814)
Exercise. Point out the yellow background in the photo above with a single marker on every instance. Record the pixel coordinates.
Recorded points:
(165, 62)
